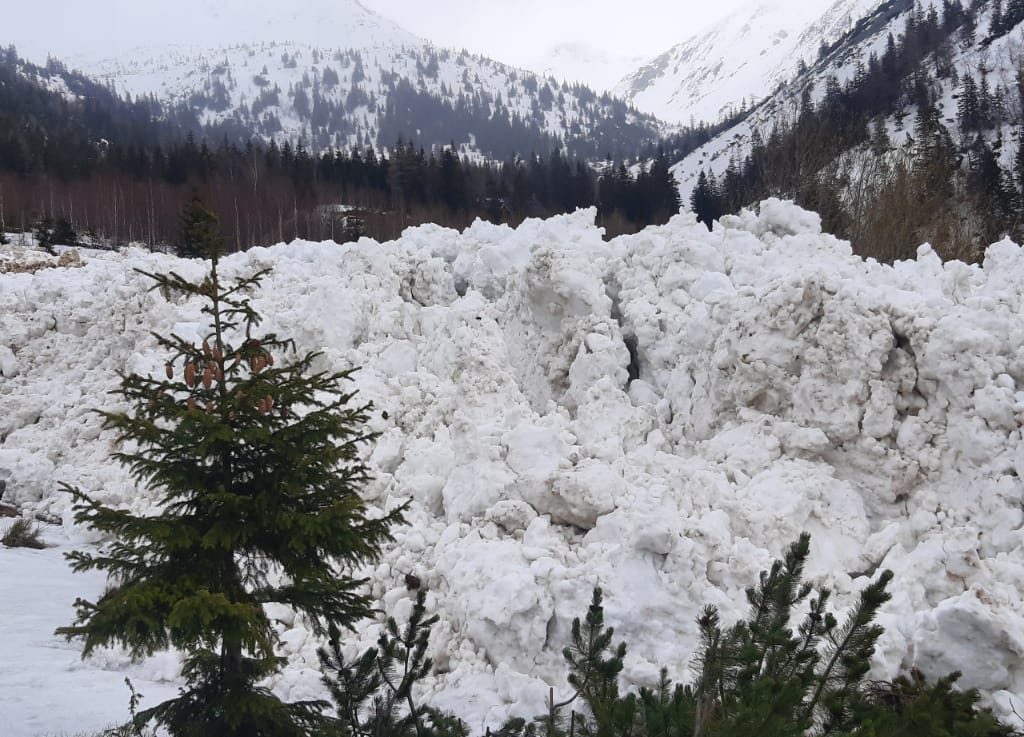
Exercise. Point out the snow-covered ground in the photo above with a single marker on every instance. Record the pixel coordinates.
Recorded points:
(782, 385)
(47, 688)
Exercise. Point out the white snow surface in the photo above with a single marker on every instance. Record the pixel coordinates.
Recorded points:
(784, 385)
(741, 59)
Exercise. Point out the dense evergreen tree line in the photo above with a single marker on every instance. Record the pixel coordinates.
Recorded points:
(275, 193)
(1005, 17)
(120, 171)
(677, 145)
(948, 188)
(64, 134)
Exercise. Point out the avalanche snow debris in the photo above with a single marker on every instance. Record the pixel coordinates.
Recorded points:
(784, 385)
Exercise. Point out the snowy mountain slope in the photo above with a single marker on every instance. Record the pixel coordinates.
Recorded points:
(739, 60)
(343, 96)
(995, 59)
(782, 384)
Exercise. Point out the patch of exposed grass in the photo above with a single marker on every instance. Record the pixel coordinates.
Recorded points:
(23, 533)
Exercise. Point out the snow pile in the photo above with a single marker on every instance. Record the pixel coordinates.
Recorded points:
(659, 415)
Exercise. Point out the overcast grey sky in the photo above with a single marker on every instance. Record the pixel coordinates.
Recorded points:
(608, 38)
(518, 30)
(617, 34)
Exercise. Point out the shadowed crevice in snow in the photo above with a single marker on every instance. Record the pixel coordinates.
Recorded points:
(633, 369)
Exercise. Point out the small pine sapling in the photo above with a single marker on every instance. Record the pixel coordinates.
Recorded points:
(913, 707)
(758, 677)
(594, 668)
(760, 674)
(373, 695)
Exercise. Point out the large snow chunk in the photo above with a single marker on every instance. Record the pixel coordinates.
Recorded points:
(974, 635)
(25, 477)
(8, 363)
(581, 495)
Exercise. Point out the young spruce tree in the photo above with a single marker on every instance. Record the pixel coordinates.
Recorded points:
(763, 678)
(256, 467)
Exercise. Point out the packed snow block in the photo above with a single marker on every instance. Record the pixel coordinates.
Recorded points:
(711, 283)
(28, 477)
(746, 449)
(474, 486)
(607, 425)
(501, 605)
(8, 363)
(488, 256)
(512, 515)
(791, 497)
(801, 354)
(557, 300)
(398, 358)
(537, 451)
(777, 218)
(599, 356)
(975, 635)
(426, 280)
(423, 473)
(582, 494)
(487, 268)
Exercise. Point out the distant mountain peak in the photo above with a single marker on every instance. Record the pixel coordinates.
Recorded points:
(84, 35)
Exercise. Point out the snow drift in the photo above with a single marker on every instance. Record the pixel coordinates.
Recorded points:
(660, 415)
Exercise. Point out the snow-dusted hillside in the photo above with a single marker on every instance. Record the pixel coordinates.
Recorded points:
(660, 414)
(997, 60)
(369, 83)
(357, 96)
(739, 60)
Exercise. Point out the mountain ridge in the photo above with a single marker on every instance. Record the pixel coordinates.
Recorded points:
(197, 23)
(347, 96)
(738, 60)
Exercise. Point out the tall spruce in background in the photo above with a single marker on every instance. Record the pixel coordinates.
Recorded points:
(200, 231)
(704, 200)
(52, 232)
(3, 225)
(256, 468)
